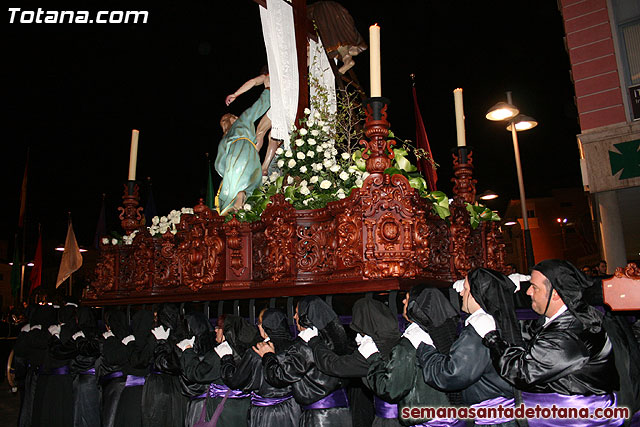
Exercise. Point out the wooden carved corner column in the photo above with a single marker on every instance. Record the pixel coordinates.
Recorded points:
(130, 213)
(464, 191)
(387, 203)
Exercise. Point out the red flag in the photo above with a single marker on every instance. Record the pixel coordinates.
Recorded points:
(425, 166)
(35, 278)
(23, 194)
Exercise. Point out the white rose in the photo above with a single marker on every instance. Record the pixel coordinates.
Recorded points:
(105, 240)
(303, 183)
(163, 219)
(327, 163)
(311, 141)
(288, 153)
(325, 184)
(114, 241)
(325, 129)
(305, 202)
(316, 115)
(334, 168)
(315, 132)
(305, 191)
(289, 180)
(321, 123)
(247, 207)
(327, 154)
(341, 195)
(359, 182)
(303, 131)
(303, 169)
(311, 153)
(299, 142)
(307, 111)
(345, 156)
(340, 190)
(291, 163)
(155, 220)
(279, 151)
(300, 155)
(184, 210)
(319, 149)
(280, 163)
(334, 151)
(313, 179)
(344, 176)
(317, 167)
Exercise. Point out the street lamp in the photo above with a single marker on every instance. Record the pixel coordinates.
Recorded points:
(488, 195)
(516, 123)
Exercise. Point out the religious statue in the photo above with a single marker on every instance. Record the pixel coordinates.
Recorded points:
(265, 122)
(238, 161)
(339, 35)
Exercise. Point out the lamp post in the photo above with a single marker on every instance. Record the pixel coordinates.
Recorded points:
(516, 122)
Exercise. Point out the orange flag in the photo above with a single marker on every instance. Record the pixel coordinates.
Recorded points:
(71, 257)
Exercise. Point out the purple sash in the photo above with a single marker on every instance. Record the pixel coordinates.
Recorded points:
(337, 399)
(221, 390)
(385, 409)
(106, 378)
(257, 400)
(134, 381)
(579, 402)
(201, 396)
(91, 371)
(63, 370)
(494, 403)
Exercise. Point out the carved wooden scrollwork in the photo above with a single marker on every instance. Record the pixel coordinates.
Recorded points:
(495, 248)
(315, 247)
(279, 234)
(166, 263)
(105, 272)
(131, 214)
(142, 261)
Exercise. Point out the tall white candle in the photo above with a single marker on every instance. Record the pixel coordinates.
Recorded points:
(133, 156)
(457, 96)
(374, 57)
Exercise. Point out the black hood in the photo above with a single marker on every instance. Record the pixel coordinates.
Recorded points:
(313, 311)
(275, 325)
(240, 334)
(87, 322)
(493, 291)
(200, 326)
(569, 282)
(117, 322)
(141, 324)
(373, 318)
(429, 308)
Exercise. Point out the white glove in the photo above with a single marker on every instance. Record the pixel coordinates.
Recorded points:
(458, 285)
(26, 328)
(516, 278)
(107, 334)
(367, 347)
(483, 323)
(359, 338)
(308, 333)
(36, 327)
(416, 335)
(55, 330)
(126, 340)
(223, 349)
(160, 333)
(187, 342)
(78, 335)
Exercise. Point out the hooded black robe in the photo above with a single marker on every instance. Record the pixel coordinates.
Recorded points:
(246, 374)
(140, 353)
(297, 365)
(398, 379)
(86, 392)
(468, 365)
(163, 404)
(111, 365)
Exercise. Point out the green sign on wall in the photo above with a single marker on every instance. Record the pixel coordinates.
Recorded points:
(627, 159)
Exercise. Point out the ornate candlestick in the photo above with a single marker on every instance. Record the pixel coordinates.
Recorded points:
(377, 152)
(464, 187)
(130, 214)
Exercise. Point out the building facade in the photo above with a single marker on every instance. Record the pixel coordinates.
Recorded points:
(603, 41)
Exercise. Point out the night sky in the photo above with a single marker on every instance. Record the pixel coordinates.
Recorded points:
(74, 92)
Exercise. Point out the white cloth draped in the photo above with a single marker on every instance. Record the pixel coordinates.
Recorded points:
(320, 70)
(280, 42)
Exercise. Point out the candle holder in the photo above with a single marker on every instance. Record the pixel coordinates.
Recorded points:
(464, 188)
(131, 213)
(377, 152)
